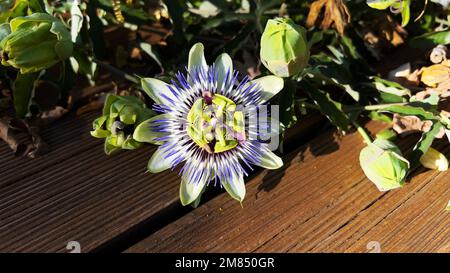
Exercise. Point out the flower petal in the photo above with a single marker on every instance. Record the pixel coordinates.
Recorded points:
(223, 65)
(190, 191)
(197, 57)
(144, 132)
(159, 162)
(270, 86)
(158, 91)
(235, 187)
(269, 160)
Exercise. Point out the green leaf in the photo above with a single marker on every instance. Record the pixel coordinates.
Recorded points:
(319, 77)
(95, 31)
(390, 91)
(5, 30)
(431, 39)
(406, 12)
(288, 116)
(22, 90)
(330, 108)
(374, 115)
(387, 134)
(424, 144)
(147, 48)
(410, 110)
(316, 37)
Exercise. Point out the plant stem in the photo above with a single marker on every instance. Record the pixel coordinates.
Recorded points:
(373, 107)
(363, 133)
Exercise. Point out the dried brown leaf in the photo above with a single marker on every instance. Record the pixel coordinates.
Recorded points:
(413, 124)
(336, 15)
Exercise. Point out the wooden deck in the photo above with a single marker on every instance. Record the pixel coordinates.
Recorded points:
(319, 202)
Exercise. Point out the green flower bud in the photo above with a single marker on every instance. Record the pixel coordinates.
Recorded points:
(121, 116)
(284, 50)
(434, 160)
(384, 165)
(35, 42)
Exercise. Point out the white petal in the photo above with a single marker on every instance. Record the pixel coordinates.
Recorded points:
(269, 160)
(158, 163)
(158, 90)
(235, 187)
(197, 57)
(270, 86)
(223, 64)
(190, 191)
(143, 132)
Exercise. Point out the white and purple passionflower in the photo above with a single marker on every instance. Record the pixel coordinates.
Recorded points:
(191, 126)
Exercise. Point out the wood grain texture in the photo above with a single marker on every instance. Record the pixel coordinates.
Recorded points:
(77, 193)
(319, 202)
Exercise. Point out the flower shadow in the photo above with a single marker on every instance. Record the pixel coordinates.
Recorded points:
(324, 143)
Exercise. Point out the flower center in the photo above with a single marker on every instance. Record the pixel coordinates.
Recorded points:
(214, 124)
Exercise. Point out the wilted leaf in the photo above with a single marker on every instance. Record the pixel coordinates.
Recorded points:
(435, 74)
(336, 15)
(410, 124)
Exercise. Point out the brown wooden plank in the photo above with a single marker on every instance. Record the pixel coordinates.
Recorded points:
(321, 201)
(66, 137)
(76, 193)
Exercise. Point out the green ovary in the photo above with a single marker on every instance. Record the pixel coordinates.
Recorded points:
(216, 126)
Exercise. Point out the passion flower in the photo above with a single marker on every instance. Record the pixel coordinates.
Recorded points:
(203, 125)
(35, 42)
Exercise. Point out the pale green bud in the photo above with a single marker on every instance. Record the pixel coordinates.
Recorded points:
(121, 116)
(284, 50)
(35, 42)
(434, 160)
(384, 165)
